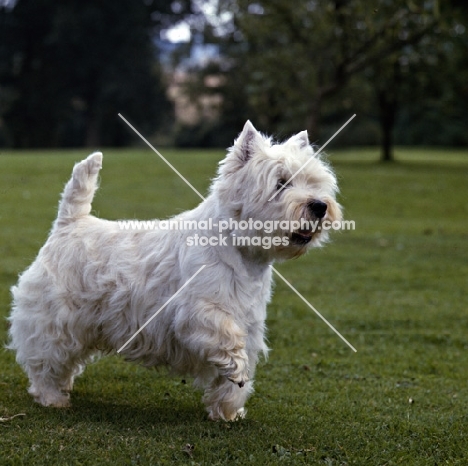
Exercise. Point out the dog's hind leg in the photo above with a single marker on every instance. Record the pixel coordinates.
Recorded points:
(50, 355)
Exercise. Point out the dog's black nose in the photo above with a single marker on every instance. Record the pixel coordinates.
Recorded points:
(318, 208)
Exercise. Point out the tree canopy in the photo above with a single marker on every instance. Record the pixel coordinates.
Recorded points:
(68, 68)
(312, 64)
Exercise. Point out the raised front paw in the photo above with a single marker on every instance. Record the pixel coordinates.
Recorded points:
(241, 382)
(237, 370)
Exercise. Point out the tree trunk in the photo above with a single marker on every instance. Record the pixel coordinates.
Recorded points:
(93, 130)
(387, 108)
(313, 119)
(388, 80)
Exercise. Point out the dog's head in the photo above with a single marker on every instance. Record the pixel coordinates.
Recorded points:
(285, 186)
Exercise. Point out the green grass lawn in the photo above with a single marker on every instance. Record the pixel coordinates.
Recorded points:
(396, 288)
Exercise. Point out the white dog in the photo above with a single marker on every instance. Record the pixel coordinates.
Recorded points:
(93, 284)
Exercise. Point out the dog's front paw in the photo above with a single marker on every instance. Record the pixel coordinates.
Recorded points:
(237, 371)
(231, 416)
(234, 365)
(241, 382)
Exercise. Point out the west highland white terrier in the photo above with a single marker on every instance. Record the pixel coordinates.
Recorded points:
(94, 284)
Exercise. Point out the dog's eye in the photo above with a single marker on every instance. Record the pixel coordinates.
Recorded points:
(282, 184)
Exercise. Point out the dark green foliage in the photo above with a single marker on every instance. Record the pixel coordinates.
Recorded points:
(401, 66)
(70, 67)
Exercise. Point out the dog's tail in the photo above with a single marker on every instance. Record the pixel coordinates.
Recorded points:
(80, 189)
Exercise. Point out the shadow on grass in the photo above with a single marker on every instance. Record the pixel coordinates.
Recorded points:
(123, 416)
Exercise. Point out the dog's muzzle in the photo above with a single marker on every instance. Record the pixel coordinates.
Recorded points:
(317, 210)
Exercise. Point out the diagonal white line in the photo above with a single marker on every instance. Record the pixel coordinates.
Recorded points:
(186, 181)
(160, 155)
(162, 307)
(315, 310)
(300, 169)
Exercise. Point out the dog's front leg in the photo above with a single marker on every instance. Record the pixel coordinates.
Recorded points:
(214, 336)
(231, 363)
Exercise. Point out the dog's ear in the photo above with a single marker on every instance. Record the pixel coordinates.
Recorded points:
(248, 142)
(300, 139)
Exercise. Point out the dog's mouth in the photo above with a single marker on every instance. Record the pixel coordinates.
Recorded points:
(301, 237)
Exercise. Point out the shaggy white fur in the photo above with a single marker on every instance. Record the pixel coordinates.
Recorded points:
(93, 284)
